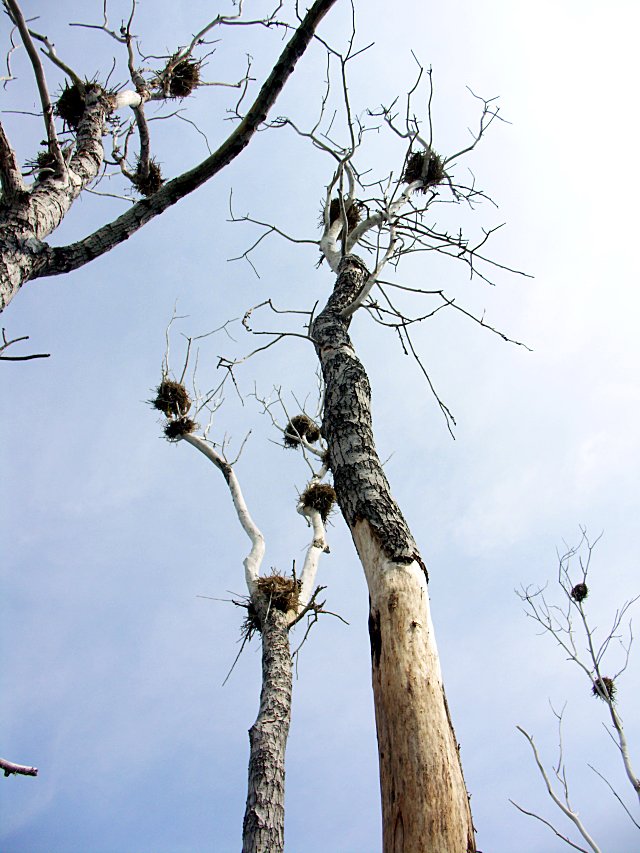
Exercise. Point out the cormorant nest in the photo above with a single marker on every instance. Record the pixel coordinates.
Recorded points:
(604, 686)
(70, 105)
(149, 183)
(300, 426)
(425, 166)
(579, 592)
(352, 210)
(320, 496)
(171, 399)
(279, 591)
(177, 427)
(183, 78)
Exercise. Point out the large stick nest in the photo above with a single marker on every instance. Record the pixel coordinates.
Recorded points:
(606, 686)
(70, 106)
(177, 427)
(425, 166)
(172, 399)
(184, 77)
(352, 210)
(300, 426)
(320, 496)
(148, 181)
(279, 591)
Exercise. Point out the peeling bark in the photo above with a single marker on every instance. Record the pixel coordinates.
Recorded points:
(263, 828)
(425, 806)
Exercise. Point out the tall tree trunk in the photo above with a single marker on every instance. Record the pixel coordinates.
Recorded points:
(263, 828)
(425, 806)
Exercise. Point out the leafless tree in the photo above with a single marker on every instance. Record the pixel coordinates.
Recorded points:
(573, 629)
(86, 112)
(275, 602)
(425, 806)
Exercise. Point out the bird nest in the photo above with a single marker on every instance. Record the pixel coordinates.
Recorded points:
(172, 399)
(320, 496)
(425, 166)
(279, 591)
(148, 181)
(300, 426)
(579, 592)
(352, 210)
(184, 77)
(177, 427)
(70, 105)
(603, 687)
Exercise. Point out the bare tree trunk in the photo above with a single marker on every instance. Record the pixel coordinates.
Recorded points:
(425, 806)
(263, 828)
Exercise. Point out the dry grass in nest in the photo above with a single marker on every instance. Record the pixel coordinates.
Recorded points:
(172, 399)
(184, 78)
(604, 685)
(579, 592)
(176, 428)
(150, 183)
(426, 167)
(70, 106)
(335, 212)
(279, 591)
(320, 496)
(300, 426)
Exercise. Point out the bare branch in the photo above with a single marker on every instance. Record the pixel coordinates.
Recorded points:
(10, 768)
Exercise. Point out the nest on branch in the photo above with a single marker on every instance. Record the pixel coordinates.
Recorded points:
(279, 591)
(425, 166)
(335, 212)
(183, 78)
(579, 592)
(149, 181)
(70, 105)
(604, 686)
(300, 426)
(172, 399)
(177, 427)
(320, 496)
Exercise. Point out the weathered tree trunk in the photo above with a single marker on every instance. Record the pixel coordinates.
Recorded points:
(263, 828)
(425, 806)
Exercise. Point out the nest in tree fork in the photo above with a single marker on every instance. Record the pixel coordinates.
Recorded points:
(320, 496)
(300, 426)
(148, 181)
(177, 427)
(579, 592)
(352, 210)
(70, 105)
(172, 399)
(184, 77)
(603, 687)
(279, 591)
(425, 166)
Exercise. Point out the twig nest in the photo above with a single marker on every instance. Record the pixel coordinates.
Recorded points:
(70, 106)
(183, 78)
(320, 496)
(425, 166)
(352, 210)
(177, 427)
(279, 591)
(148, 182)
(45, 163)
(300, 426)
(172, 399)
(579, 592)
(603, 687)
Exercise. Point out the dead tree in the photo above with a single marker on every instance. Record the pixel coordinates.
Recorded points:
(425, 806)
(574, 631)
(88, 111)
(275, 603)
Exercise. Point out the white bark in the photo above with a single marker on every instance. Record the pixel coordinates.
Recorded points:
(316, 548)
(253, 560)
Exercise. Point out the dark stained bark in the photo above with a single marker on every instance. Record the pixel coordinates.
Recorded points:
(263, 828)
(23, 254)
(425, 806)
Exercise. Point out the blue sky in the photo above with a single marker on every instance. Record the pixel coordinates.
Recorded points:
(112, 666)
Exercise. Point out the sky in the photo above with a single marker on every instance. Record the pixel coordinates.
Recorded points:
(120, 551)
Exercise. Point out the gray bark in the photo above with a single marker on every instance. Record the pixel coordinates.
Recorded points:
(27, 220)
(425, 807)
(263, 828)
